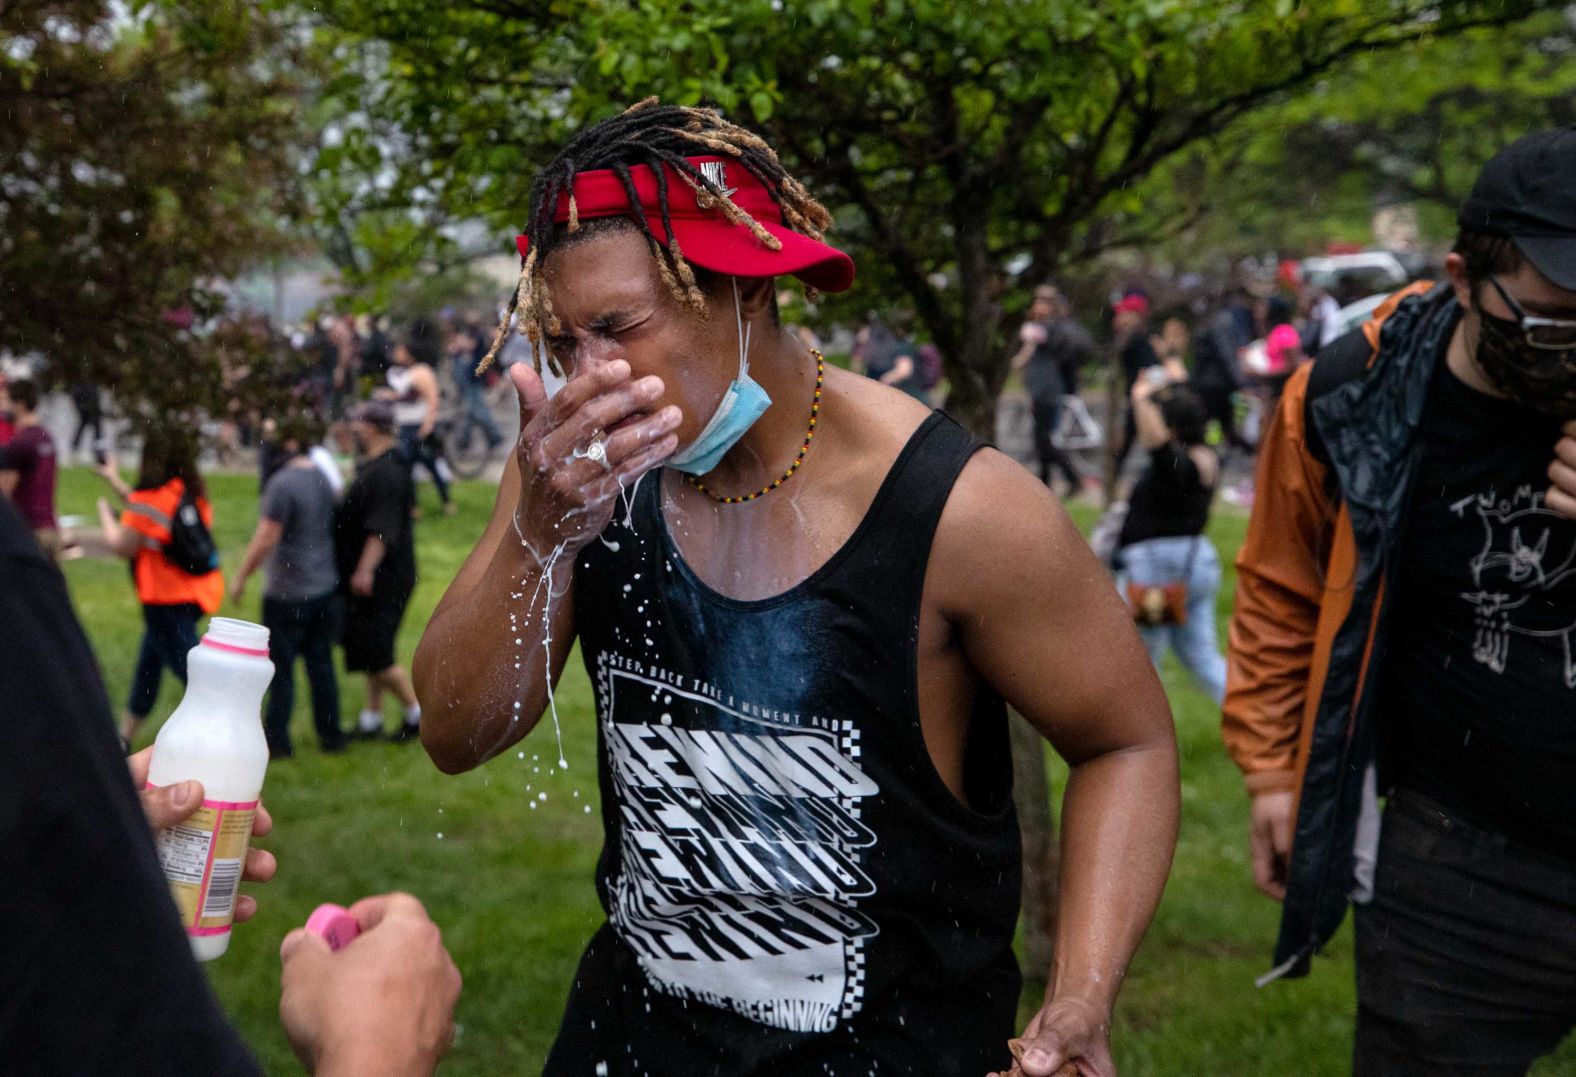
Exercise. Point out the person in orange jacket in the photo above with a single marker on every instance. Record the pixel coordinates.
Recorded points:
(1404, 626)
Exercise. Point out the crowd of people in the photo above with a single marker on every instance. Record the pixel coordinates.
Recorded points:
(1402, 630)
(338, 558)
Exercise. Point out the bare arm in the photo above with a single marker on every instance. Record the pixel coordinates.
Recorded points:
(505, 591)
(109, 471)
(902, 370)
(468, 719)
(8, 481)
(264, 541)
(426, 385)
(121, 541)
(1151, 425)
(1038, 617)
(371, 555)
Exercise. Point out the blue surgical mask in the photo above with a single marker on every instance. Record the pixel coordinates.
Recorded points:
(743, 403)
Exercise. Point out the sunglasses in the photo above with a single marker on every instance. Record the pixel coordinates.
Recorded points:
(1547, 334)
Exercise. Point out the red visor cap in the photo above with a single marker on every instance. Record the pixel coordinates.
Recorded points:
(707, 238)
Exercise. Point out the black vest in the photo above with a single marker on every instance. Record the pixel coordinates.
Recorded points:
(790, 886)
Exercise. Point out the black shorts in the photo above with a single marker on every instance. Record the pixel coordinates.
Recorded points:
(370, 627)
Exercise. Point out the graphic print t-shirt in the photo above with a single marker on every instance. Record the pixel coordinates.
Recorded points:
(1480, 671)
(790, 887)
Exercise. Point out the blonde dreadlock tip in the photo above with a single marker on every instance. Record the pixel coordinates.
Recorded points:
(643, 103)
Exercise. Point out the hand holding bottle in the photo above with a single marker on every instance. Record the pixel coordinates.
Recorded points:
(176, 803)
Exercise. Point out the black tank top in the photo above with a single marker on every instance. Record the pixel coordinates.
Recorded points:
(790, 886)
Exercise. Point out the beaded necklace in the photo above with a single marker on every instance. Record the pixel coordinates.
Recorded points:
(815, 411)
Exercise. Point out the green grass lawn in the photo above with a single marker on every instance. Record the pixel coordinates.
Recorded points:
(507, 874)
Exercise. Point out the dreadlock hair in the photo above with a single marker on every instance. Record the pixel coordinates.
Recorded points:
(652, 134)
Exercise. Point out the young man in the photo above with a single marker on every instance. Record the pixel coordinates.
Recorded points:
(1052, 345)
(802, 630)
(375, 547)
(27, 467)
(301, 603)
(1405, 620)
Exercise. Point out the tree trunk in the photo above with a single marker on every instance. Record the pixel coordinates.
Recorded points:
(978, 372)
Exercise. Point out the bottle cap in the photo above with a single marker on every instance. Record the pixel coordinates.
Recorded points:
(334, 925)
(243, 637)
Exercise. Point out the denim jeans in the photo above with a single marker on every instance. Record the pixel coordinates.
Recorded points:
(1165, 560)
(477, 414)
(168, 634)
(309, 629)
(1466, 957)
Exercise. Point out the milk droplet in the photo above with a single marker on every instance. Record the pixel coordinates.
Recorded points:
(440, 835)
(667, 719)
(541, 796)
(521, 755)
(588, 809)
(627, 588)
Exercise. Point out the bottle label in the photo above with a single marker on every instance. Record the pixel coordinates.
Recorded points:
(203, 859)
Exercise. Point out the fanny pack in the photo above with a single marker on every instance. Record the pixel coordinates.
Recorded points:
(1156, 605)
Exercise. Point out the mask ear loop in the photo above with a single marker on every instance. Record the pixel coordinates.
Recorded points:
(744, 332)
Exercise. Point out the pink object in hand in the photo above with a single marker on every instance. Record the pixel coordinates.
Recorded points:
(334, 925)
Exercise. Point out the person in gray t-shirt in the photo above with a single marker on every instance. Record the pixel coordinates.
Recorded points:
(301, 603)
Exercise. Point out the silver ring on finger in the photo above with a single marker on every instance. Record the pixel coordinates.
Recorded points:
(596, 452)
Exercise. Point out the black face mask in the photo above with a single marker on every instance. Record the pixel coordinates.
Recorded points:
(1542, 379)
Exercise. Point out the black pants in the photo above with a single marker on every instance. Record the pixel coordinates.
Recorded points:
(308, 629)
(424, 451)
(1466, 959)
(1219, 407)
(1047, 414)
(168, 635)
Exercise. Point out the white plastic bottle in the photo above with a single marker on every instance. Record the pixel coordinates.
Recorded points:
(216, 737)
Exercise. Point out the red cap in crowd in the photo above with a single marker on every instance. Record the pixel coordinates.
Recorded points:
(1135, 303)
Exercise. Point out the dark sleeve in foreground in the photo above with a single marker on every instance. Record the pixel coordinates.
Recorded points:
(96, 976)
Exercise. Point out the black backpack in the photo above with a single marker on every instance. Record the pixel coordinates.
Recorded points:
(191, 547)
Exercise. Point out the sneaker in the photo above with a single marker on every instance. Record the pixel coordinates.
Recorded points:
(365, 734)
(407, 732)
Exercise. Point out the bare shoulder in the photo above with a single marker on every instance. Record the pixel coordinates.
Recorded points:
(1002, 533)
(870, 423)
(878, 409)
